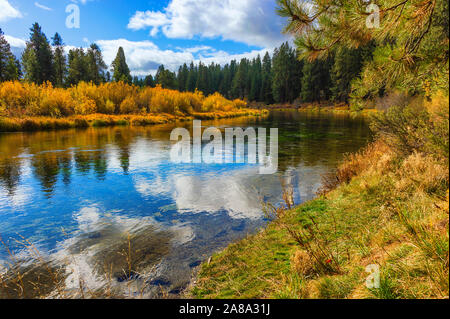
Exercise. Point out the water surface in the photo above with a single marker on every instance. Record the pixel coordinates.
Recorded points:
(78, 194)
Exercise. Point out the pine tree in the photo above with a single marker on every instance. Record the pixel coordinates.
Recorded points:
(8, 63)
(411, 41)
(59, 61)
(166, 78)
(96, 67)
(348, 64)
(266, 84)
(286, 75)
(182, 78)
(256, 79)
(120, 69)
(192, 78)
(37, 58)
(316, 81)
(241, 85)
(148, 81)
(78, 69)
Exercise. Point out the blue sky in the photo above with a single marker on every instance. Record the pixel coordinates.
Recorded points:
(152, 32)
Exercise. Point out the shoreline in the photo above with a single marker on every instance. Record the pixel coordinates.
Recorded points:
(322, 248)
(33, 124)
(338, 108)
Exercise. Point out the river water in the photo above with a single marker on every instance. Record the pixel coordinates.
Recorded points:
(81, 196)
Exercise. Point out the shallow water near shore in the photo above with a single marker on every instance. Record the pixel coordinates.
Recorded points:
(106, 205)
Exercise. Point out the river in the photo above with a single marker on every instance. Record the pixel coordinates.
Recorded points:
(81, 195)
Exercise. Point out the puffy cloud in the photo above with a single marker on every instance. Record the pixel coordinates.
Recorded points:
(144, 57)
(253, 22)
(7, 11)
(17, 44)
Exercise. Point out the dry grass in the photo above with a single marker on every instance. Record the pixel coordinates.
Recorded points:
(8, 124)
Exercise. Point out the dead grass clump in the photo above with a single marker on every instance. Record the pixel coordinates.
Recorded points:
(301, 263)
(422, 173)
(376, 155)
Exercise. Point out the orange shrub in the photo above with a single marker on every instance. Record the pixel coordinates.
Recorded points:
(12, 94)
(216, 102)
(239, 104)
(54, 102)
(28, 99)
(129, 106)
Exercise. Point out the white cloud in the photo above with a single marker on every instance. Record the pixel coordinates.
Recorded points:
(7, 11)
(144, 57)
(41, 6)
(253, 22)
(15, 42)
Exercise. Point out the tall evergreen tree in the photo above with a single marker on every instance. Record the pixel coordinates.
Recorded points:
(96, 67)
(286, 78)
(166, 78)
(148, 81)
(202, 83)
(120, 69)
(192, 78)
(59, 60)
(240, 85)
(266, 83)
(182, 77)
(37, 58)
(256, 80)
(348, 64)
(78, 69)
(9, 69)
(316, 81)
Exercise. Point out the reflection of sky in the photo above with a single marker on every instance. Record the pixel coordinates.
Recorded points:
(150, 187)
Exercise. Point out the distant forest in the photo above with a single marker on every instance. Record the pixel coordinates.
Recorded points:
(279, 78)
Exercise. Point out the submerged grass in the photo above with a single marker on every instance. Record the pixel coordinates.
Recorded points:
(105, 264)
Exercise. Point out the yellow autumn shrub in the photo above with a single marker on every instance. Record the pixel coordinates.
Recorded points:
(129, 106)
(55, 102)
(12, 95)
(239, 104)
(18, 99)
(216, 102)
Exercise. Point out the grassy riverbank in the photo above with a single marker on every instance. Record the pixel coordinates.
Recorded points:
(40, 123)
(385, 206)
(335, 108)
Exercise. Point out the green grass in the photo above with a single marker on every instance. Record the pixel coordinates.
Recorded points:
(371, 220)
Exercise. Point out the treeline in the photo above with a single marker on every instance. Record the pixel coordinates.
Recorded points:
(279, 78)
(46, 61)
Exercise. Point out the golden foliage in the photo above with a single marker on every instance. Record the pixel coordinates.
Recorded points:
(21, 99)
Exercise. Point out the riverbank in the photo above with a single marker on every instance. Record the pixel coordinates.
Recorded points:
(380, 210)
(17, 124)
(334, 108)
